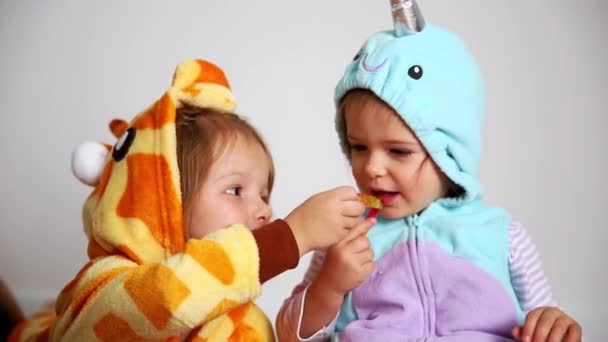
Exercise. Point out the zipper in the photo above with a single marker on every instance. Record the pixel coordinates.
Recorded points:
(420, 273)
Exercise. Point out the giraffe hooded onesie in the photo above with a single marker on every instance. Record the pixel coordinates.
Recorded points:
(144, 280)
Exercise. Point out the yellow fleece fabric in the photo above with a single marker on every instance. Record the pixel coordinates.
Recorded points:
(144, 281)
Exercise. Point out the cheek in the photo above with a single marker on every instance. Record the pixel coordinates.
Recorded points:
(409, 177)
(357, 166)
(199, 229)
(432, 183)
(203, 220)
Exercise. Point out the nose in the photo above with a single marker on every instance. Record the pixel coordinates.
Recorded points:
(261, 214)
(374, 166)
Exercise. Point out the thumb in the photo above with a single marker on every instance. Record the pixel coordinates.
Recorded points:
(360, 228)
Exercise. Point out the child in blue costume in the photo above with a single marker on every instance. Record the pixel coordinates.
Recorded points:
(439, 265)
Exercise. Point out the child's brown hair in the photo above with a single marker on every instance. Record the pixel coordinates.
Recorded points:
(364, 97)
(203, 134)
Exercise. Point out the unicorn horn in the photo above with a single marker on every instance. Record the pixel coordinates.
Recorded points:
(407, 18)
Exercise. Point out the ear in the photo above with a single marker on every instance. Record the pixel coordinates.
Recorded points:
(88, 160)
(118, 127)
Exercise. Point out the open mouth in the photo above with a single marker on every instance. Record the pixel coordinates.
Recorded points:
(385, 197)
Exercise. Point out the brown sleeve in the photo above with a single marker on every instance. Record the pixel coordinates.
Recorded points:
(278, 249)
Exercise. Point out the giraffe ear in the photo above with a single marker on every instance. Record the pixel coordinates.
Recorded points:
(118, 127)
(88, 160)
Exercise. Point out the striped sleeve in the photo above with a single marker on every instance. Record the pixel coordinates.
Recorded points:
(531, 286)
(290, 315)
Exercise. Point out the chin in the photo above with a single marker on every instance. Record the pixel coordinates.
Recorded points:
(391, 215)
(394, 213)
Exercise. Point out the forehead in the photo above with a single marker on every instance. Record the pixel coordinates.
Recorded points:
(239, 150)
(366, 113)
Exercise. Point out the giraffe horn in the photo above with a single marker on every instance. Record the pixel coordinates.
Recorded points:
(407, 18)
(118, 127)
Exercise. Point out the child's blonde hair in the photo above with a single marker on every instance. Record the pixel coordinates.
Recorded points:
(203, 134)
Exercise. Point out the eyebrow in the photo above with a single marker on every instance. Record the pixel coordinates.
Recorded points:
(242, 175)
(401, 142)
(390, 141)
(232, 174)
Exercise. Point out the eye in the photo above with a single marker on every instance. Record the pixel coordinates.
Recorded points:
(400, 152)
(415, 72)
(265, 198)
(358, 55)
(358, 147)
(123, 144)
(234, 191)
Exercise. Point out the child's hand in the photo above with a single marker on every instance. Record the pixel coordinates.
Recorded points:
(548, 324)
(348, 263)
(325, 218)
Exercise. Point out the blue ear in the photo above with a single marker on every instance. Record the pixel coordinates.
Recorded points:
(407, 18)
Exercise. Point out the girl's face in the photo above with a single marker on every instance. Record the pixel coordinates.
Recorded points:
(236, 190)
(388, 161)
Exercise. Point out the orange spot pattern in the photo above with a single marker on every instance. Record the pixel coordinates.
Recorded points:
(44, 336)
(159, 209)
(244, 333)
(212, 256)
(155, 117)
(74, 281)
(129, 254)
(95, 250)
(94, 288)
(239, 313)
(15, 336)
(103, 180)
(159, 302)
(150, 196)
(209, 73)
(219, 309)
(242, 330)
(113, 328)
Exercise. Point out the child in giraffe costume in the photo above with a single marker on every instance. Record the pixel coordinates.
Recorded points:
(440, 265)
(161, 266)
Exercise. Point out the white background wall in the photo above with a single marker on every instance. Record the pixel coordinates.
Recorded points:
(68, 67)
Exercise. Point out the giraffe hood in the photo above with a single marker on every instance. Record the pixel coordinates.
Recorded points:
(145, 281)
(135, 207)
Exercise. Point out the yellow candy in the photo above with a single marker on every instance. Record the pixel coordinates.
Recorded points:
(370, 201)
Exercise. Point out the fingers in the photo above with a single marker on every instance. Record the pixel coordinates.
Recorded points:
(345, 193)
(530, 325)
(360, 228)
(516, 332)
(352, 209)
(544, 325)
(359, 244)
(368, 267)
(574, 334)
(559, 329)
(548, 324)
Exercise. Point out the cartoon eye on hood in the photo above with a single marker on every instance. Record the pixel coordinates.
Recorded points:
(415, 72)
(430, 78)
(358, 54)
(135, 207)
(121, 148)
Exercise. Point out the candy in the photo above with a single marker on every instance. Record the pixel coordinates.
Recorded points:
(370, 201)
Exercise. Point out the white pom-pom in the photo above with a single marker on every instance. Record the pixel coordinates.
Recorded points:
(88, 160)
